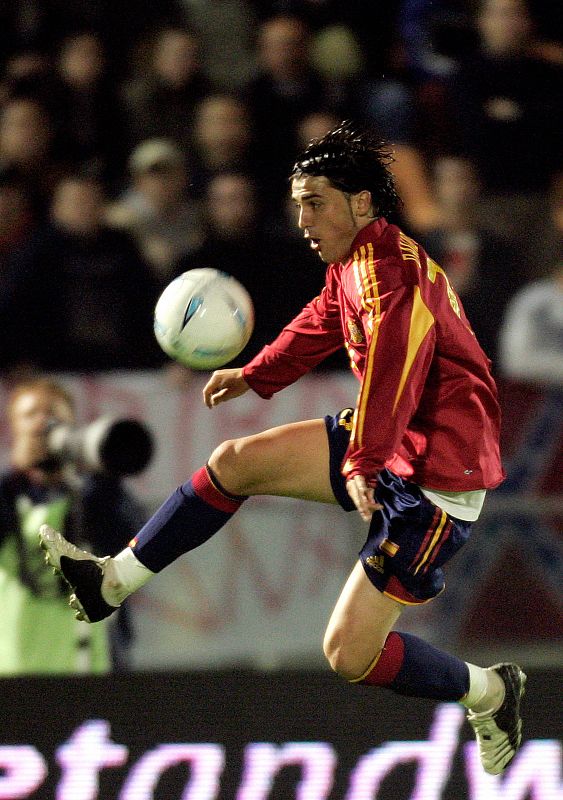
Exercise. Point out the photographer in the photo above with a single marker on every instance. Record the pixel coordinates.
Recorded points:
(37, 633)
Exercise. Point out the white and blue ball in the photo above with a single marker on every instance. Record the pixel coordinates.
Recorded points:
(204, 318)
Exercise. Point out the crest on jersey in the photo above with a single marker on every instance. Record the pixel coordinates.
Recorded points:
(354, 331)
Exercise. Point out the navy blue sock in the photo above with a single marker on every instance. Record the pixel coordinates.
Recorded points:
(188, 518)
(410, 666)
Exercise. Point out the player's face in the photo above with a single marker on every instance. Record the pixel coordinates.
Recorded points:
(327, 216)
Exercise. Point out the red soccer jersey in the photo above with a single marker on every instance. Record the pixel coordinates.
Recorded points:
(427, 406)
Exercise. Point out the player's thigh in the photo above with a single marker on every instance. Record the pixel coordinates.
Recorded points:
(360, 622)
(291, 460)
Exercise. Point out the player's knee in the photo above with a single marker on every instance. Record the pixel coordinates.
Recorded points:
(337, 657)
(230, 466)
(224, 462)
(347, 655)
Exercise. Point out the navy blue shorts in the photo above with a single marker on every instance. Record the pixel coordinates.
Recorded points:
(410, 539)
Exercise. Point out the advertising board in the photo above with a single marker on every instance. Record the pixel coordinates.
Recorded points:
(258, 736)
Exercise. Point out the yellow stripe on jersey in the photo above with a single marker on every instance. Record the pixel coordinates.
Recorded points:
(421, 321)
(369, 291)
(366, 282)
(433, 270)
(351, 356)
(409, 249)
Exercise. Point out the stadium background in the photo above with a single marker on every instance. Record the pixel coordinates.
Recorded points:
(228, 642)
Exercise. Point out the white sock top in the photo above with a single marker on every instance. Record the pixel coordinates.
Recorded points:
(123, 575)
(486, 690)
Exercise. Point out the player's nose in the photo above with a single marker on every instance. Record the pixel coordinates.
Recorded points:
(303, 220)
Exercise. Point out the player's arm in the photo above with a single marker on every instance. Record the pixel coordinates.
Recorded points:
(223, 385)
(310, 337)
(313, 335)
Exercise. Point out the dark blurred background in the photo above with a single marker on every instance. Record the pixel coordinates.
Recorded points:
(140, 139)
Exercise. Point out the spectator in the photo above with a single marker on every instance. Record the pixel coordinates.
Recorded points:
(161, 99)
(419, 211)
(435, 34)
(157, 209)
(83, 290)
(506, 103)
(222, 139)
(286, 88)
(87, 106)
(16, 219)
(37, 632)
(314, 126)
(373, 39)
(336, 54)
(531, 336)
(388, 104)
(26, 27)
(478, 263)
(225, 29)
(28, 144)
(27, 73)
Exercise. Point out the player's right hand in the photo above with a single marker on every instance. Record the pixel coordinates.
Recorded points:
(223, 385)
(363, 496)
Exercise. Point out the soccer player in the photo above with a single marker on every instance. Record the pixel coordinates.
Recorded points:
(414, 457)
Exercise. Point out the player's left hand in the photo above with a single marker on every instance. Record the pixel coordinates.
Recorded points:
(223, 385)
(363, 496)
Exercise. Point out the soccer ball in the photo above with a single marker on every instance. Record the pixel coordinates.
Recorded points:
(204, 318)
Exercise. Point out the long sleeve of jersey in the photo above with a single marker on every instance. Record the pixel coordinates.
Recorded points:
(313, 335)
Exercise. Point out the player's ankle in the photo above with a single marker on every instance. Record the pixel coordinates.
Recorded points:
(123, 575)
(486, 690)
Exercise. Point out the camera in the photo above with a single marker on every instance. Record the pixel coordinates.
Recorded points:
(117, 446)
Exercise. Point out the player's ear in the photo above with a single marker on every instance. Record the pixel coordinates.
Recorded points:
(362, 203)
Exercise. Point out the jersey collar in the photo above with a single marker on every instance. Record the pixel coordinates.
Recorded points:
(369, 233)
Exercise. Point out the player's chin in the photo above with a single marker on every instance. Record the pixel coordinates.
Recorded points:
(331, 255)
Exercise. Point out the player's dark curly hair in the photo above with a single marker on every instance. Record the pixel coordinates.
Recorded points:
(353, 159)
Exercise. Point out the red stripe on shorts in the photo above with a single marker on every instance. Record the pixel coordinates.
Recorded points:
(397, 591)
(427, 536)
(443, 538)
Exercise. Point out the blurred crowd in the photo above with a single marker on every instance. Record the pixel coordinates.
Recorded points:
(139, 139)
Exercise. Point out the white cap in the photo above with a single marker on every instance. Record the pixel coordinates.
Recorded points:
(154, 153)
